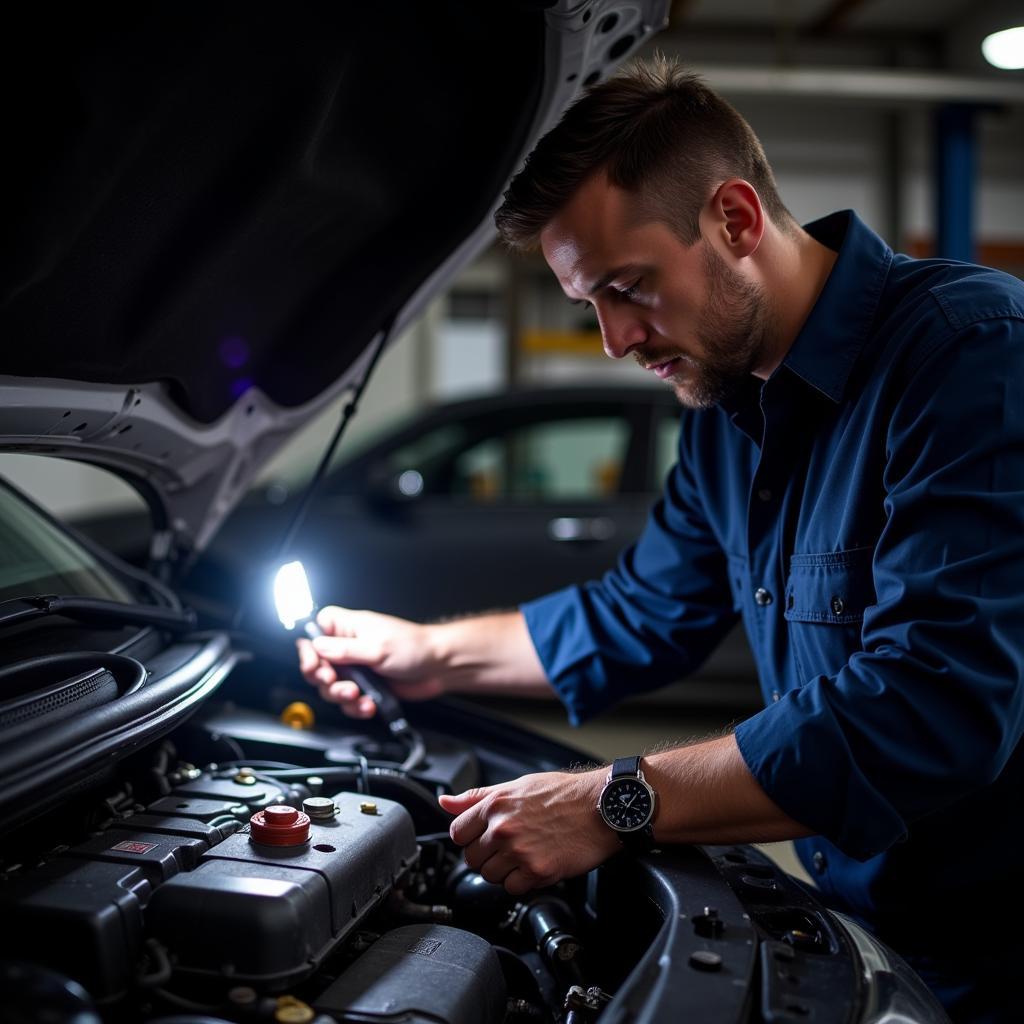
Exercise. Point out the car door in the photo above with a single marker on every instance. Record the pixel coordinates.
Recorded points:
(488, 511)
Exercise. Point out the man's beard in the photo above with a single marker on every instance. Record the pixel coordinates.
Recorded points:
(734, 332)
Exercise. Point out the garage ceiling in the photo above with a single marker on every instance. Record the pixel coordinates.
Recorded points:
(856, 15)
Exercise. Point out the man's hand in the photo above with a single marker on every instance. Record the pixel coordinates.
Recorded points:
(399, 650)
(533, 831)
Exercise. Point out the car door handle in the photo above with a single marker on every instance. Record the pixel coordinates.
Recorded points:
(580, 529)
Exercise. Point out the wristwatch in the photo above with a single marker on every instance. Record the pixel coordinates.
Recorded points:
(627, 804)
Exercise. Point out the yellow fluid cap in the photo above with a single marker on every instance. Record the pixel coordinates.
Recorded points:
(299, 715)
(292, 1011)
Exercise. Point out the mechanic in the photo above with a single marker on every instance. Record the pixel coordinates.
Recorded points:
(851, 482)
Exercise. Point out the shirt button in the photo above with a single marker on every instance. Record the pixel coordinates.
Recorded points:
(775, 695)
(837, 606)
(764, 494)
(762, 597)
(819, 861)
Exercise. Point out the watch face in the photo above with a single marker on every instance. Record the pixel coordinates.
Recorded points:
(626, 804)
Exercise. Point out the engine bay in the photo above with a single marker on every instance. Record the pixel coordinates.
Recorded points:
(271, 860)
(266, 890)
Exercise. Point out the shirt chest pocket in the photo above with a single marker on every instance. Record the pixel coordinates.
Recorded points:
(826, 595)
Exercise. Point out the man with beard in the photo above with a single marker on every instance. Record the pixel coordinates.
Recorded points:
(852, 484)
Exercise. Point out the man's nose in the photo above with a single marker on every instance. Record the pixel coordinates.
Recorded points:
(621, 333)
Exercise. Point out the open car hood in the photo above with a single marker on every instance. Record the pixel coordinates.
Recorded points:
(215, 211)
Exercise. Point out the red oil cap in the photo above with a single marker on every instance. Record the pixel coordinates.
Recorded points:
(279, 825)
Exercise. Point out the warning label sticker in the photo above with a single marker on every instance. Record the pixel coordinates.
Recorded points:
(128, 846)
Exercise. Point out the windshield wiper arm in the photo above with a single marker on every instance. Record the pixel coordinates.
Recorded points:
(95, 610)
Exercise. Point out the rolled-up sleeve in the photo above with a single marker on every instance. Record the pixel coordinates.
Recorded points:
(932, 707)
(651, 620)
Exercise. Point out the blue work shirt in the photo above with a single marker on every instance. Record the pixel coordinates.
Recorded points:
(863, 510)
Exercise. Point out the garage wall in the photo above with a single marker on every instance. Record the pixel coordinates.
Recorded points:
(826, 157)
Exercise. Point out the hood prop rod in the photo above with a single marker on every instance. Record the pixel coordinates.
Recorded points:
(348, 410)
(370, 682)
(313, 487)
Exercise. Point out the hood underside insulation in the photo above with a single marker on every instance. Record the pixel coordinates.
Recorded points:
(227, 196)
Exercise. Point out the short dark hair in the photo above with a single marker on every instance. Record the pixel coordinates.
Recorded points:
(658, 132)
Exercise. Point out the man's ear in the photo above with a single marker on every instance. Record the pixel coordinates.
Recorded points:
(733, 220)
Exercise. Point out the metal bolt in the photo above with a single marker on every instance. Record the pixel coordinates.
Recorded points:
(319, 808)
(704, 960)
(708, 925)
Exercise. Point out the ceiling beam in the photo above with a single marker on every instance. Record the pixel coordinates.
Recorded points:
(878, 86)
(687, 34)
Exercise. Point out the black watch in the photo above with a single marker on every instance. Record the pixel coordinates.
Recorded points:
(627, 804)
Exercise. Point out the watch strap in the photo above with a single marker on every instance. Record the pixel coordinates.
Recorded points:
(624, 766)
(639, 841)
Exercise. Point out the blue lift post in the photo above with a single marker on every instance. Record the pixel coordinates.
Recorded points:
(956, 170)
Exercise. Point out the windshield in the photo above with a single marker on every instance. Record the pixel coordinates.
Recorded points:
(38, 557)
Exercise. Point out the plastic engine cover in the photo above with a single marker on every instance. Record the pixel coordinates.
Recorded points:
(268, 915)
(421, 974)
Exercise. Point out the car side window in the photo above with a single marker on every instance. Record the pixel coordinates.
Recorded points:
(409, 466)
(578, 459)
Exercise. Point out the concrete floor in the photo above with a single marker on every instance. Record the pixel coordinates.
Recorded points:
(633, 729)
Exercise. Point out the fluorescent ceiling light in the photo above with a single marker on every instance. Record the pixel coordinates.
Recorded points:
(1005, 49)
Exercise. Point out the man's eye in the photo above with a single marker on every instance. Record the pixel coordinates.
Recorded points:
(629, 292)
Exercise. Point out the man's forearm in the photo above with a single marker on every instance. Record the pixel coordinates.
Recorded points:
(489, 654)
(533, 831)
(706, 794)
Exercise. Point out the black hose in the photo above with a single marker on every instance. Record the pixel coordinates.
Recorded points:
(161, 974)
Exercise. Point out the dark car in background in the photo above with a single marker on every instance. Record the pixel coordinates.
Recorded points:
(474, 504)
(469, 505)
(220, 216)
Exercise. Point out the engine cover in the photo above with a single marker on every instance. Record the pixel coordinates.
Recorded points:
(268, 915)
(421, 974)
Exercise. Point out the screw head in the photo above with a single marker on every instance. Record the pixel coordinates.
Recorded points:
(705, 960)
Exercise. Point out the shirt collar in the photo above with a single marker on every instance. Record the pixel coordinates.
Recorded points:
(839, 324)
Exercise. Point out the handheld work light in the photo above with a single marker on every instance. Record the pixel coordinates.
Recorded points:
(294, 600)
(296, 609)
